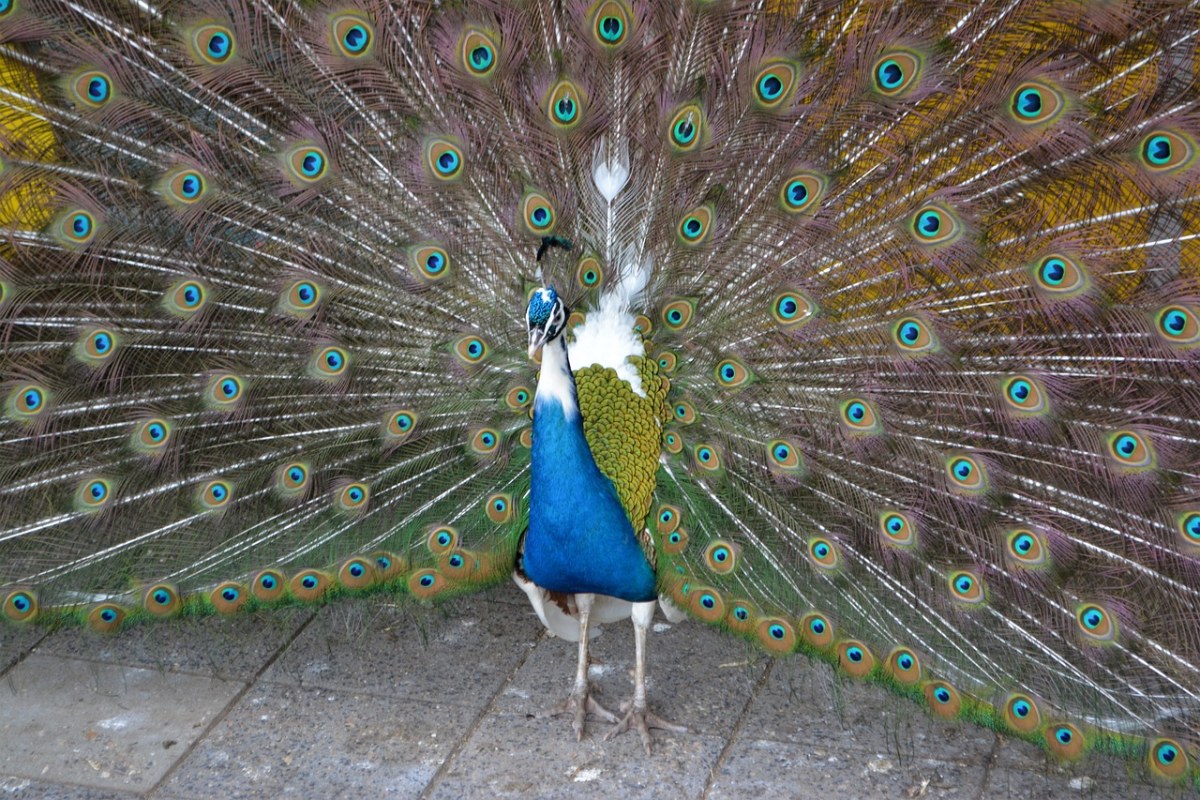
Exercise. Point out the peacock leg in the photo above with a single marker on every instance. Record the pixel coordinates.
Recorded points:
(637, 715)
(580, 702)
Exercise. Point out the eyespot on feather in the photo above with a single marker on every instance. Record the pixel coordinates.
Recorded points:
(792, 309)
(1130, 452)
(966, 587)
(1178, 324)
(352, 497)
(1021, 713)
(967, 474)
(694, 227)
(1059, 277)
(686, 129)
(425, 584)
(898, 529)
(90, 89)
(777, 635)
(903, 666)
(26, 402)
(183, 187)
(721, 556)
(706, 604)
(229, 597)
(896, 72)
(678, 313)
(775, 84)
(293, 479)
(1168, 759)
(20, 605)
(351, 34)
(537, 213)
(913, 336)
(357, 572)
(1024, 396)
(429, 262)
(1066, 741)
(611, 23)
(1165, 151)
(934, 225)
(306, 164)
(1096, 623)
(186, 298)
(943, 699)
(817, 630)
(478, 52)
(444, 159)
(398, 425)
(94, 494)
(214, 495)
(1036, 104)
(855, 658)
(106, 617)
(268, 585)
(309, 585)
(1026, 548)
(500, 508)
(564, 106)
(212, 44)
(162, 600)
(224, 391)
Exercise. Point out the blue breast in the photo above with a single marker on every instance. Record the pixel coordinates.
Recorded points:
(579, 538)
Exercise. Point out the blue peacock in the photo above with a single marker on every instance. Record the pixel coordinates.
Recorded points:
(866, 331)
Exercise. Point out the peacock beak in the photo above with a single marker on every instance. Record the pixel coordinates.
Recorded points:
(537, 338)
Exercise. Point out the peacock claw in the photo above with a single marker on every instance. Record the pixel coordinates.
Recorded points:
(643, 720)
(579, 704)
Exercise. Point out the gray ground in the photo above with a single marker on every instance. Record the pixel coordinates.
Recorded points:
(366, 699)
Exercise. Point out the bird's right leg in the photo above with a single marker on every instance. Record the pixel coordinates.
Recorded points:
(580, 702)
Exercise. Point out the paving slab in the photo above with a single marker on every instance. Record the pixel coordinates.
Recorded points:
(772, 769)
(458, 652)
(806, 702)
(101, 725)
(16, 641)
(287, 741)
(697, 677)
(226, 647)
(26, 789)
(512, 756)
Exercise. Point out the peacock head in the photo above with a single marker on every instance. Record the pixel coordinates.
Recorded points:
(546, 318)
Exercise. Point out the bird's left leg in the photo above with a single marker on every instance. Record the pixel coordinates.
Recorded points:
(637, 715)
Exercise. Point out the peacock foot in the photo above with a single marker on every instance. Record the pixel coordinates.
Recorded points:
(642, 720)
(579, 703)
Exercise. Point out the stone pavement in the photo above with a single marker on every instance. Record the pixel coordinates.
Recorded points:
(366, 698)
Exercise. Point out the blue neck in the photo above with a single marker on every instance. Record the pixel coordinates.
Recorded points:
(579, 538)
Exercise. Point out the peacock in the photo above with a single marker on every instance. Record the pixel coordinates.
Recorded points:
(865, 330)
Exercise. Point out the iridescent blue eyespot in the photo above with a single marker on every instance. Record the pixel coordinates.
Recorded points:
(889, 74)
(770, 87)
(777, 632)
(481, 58)
(942, 694)
(854, 654)
(309, 582)
(1021, 708)
(268, 582)
(1029, 103)
(230, 594)
(427, 581)
(905, 661)
(929, 223)
(1064, 735)
(817, 626)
